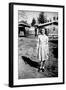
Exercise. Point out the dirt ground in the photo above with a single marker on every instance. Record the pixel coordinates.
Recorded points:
(28, 62)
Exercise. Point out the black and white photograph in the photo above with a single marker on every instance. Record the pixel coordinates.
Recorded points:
(36, 44)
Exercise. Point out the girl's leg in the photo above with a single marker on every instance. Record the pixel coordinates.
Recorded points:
(40, 68)
(43, 65)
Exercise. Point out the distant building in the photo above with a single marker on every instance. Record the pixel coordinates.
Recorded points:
(32, 30)
(23, 28)
(51, 29)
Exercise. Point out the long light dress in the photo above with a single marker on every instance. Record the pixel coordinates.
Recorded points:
(42, 47)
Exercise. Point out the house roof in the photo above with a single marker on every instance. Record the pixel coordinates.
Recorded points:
(46, 24)
(23, 23)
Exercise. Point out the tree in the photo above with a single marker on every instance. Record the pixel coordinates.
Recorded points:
(22, 15)
(42, 18)
(33, 22)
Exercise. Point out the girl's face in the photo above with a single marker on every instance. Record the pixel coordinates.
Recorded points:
(43, 31)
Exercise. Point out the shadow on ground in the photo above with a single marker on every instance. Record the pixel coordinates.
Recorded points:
(30, 62)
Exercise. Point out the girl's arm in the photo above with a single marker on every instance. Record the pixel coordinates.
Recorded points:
(47, 41)
(38, 42)
(47, 45)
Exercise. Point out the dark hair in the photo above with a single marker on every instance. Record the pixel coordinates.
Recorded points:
(44, 29)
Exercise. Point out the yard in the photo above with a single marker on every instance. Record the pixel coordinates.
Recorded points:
(28, 63)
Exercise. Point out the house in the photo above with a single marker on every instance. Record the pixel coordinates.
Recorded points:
(51, 29)
(23, 28)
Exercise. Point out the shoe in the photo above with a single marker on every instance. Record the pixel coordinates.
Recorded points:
(39, 69)
(42, 70)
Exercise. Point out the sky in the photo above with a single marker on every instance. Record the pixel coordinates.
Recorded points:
(29, 15)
